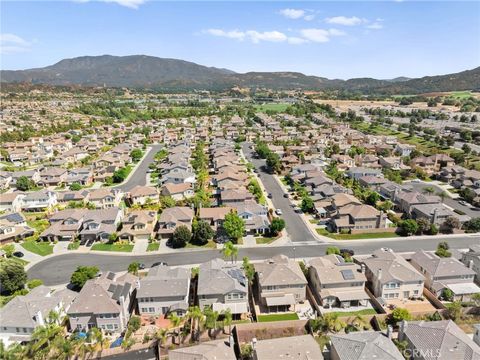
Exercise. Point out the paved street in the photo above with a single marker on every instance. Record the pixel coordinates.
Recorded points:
(139, 176)
(296, 228)
(49, 269)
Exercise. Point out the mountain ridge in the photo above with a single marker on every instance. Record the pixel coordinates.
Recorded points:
(143, 71)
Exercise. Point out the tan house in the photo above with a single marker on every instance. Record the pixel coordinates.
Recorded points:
(105, 198)
(214, 216)
(178, 191)
(141, 195)
(359, 217)
(138, 225)
(171, 218)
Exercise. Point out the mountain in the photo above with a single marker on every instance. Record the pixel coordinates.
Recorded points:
(141, 71)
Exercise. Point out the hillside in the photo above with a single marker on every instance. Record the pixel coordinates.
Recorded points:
(143, 71)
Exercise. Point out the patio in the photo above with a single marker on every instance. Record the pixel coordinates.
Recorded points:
(411, 305)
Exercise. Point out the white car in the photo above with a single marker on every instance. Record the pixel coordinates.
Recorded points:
(278, 212)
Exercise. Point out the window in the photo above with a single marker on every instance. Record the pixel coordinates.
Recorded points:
(151, 309)
(109, 326)
(115, 326)
(415, 292)
(144, 310)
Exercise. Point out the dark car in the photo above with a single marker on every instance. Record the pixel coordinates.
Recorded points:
(160, 263)
(347, 251)
(270, 195)
(141, 266)
(285, 195)
(18, 254)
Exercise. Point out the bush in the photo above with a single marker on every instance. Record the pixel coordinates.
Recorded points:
(12, 275)
(201, 232)
(82, 275)
(399, 314)
(31, 284)
(277, 226)
(181, 236)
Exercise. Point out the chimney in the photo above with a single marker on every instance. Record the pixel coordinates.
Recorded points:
(362, 268)
(403, 328)
(39, 318)
(435, 216)
(470, 264)
(389, 331)
(379, 274)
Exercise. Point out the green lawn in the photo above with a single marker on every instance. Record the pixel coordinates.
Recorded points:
(113, 247)
(73, 245)
(154, 246)
(38, 225)
(379, 235)
(277, 317)
(37, 247)
(355, 313)
(272, 107)
(461, 94)
(210, 245)
(265, 240)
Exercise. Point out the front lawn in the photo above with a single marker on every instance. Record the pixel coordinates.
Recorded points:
(73, 245)
(265, 240)
(277, 317)
(379, 235)
(38, 247)
(355, 313)
(154, 246)
(113, 247)
(210, 245)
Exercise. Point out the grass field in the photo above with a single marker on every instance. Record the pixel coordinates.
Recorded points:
(271, 107)
(154, 246)
(461, 94)
(265, 240)
(277, 317)
(37, 247)
(113, 247)
(355, 313)
(356, 236)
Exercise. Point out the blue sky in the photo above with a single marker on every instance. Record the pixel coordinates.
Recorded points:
(333, 39)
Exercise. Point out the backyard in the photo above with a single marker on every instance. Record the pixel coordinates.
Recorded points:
(277, 317)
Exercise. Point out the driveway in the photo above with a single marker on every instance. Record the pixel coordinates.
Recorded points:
(295, 226)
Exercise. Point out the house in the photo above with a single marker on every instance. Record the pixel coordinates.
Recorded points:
(42, 200)
(13, 227)
(231, 197)
(405, 200)
(104, 198)
(359, 172)
(138, 225)
(214, 216)
(105, 302)
(355, 217)
(281, 283)
(171, 218)
(178, 177)
(337, 283)
(98, 225)
(23, 313)
(209, 350)
(5, 180)
(65, 225)
(53, 176)
(64, 197)
(82, 176)
(178, 191)
(372, 182)
(390, 276)
(302, 347)
(363, 345)
(434, 213)
(445, 273)
(404, 149)
(141, 195)
(164, 290)
(471, 259)
(11, 202)
(222, 286)
(393, 163)
(437, 340)
(254, 215)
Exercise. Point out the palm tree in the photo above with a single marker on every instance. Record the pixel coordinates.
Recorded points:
(442, 195)
(327, 323)
(230, 251)
(175, 321)
(227, 320)
(195, 315)
(161, 336)
(42, 339)
(99, 341)
(429, 190)
(66, 348)
(211, 318)
(359, 322)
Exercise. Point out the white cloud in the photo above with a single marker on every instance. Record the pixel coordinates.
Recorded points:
(309, 17)
(132, 4)
(346, 21)
(255, 36)
(272, 36)
(375, 26)
(320, 35)
(234, 34)
(292, 13)
(11, 43)
(296, 40)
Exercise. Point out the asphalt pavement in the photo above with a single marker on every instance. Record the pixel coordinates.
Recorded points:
(295, 226)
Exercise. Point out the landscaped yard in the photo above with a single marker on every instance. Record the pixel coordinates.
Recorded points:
(154, 246)
(210, 245)
(379, 235)
(38, 247)
(272, 107)
(355, 313)
(265, 240)
(73, 245)
(277, 317)
(113, 247)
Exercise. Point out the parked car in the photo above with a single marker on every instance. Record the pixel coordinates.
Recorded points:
(270, 195)
(285, 195)
(278, 212)
(160, 263)
(141, 266)
(18, 254)
(464, 203)
(298, 210)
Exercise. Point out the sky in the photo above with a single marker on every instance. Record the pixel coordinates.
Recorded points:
(341, 39)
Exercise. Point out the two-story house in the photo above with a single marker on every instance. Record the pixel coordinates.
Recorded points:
(43, 200)
(106, 198)
(138, 225)
(171, 218)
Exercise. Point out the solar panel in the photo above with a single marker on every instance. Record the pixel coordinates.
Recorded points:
(238, 275)
(347, 274)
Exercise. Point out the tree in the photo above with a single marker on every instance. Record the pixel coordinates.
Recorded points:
(134, 267)
(409, 227)
(273, 162)
(372, 198)
(442, 250)
(423, 225)
(33, 283)
(175, 322)
(24, 183)
(467, 194)
(227, 319)
(211, 318)
(447, 294)
(277, 225)
(167, 202)
(248, 269)
(399, 314)
(234, 226)
(181, 236)
(451, 223)
(202, 232)
(307, 204)
(12, 275)
(328, 322)
(472, 226)
(229, 250)
(75, 186)
(8, 249)
(332, 250)
(433, 229)
(136, 155)
(82, 275)
(454, 310)
(196, 316)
